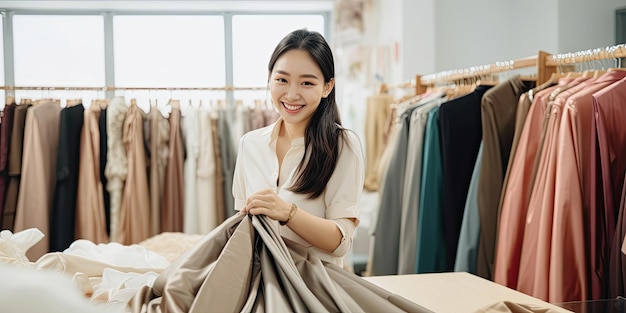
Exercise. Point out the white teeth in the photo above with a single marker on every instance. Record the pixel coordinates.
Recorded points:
(292, 107)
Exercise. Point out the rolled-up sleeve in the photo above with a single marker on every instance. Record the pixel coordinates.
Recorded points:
(344, 189)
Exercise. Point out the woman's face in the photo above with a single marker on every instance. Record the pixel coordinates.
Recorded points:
(297, 86)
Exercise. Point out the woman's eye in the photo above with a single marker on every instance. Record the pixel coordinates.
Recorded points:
(308, 84)
(281, 80)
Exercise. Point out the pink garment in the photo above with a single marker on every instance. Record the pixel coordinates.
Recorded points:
(608, 158)
(535, 252)
(562, 202)
(517, 192)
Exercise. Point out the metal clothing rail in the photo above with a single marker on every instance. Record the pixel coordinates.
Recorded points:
(110, 88)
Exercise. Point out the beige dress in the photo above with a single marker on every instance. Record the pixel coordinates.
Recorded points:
(41, 138)
(90, 213)
(134, 222)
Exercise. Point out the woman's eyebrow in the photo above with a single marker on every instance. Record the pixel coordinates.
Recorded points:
(302, 76)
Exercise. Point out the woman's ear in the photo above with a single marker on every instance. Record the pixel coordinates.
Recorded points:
(328, 87)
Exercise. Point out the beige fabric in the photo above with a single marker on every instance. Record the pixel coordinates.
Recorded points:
(220, 208)
(41, 138)
(206, 176)
(171, 245)
(117, 164)
(377, 116)
(134, 222)
(190, 127)
(159, 136)
(245, 266)
(90, 213)
(173, 190)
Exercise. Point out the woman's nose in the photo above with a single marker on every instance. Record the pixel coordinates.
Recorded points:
(292, 92)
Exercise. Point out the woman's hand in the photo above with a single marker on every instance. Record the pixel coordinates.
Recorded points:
(268, 203)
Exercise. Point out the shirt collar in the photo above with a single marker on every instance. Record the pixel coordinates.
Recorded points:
(298, 142)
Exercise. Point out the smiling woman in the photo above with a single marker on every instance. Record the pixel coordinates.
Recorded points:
(313, 164)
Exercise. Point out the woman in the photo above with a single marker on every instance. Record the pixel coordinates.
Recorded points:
(305, 171)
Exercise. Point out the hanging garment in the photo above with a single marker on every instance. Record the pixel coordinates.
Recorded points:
(535, 253)
(516, 191)
(206, 176)
(190, 134)
(572, 203)
(608, 163)
(407, 244)
(117, 163)
(220, 206)
(431, 250)
(617, 262)
(158, 137)
(387, 234)
(134, 215)
(5, 137)
(41, 138)
(102, 127)
(498, 108)
(227, 157)
(91, 222)
(272, 275)
(14, 170)
(466, 253)
(172, 205)
(566, 240)
(461, 132)
(257, 118)
(376, 116)
(63, 212)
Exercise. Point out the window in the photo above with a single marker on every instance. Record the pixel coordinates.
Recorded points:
(150, 51)
(254, 39)
(170, 51)
(58, 50)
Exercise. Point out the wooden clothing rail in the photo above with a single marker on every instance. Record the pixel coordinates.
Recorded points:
(546, 64)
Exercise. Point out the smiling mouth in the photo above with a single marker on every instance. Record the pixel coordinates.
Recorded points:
(292, 108)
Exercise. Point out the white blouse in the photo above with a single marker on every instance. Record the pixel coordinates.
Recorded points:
(257, 169)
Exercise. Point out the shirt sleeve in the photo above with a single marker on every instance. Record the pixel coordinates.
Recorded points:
(346, 227)
(239, 187)
(345, 186)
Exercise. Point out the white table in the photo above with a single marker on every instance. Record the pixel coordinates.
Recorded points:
(454, 292)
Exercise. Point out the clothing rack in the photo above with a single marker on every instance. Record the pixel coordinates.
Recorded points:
(422, 82)
(546, 64)
(111, 88)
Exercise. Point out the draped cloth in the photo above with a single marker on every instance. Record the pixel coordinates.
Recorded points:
(244, 265)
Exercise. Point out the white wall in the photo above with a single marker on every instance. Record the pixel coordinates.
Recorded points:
(419, 43)
(439, 35)
(587, 24)
(485, 31)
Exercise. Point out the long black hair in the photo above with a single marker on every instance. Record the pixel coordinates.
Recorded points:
(321, 137)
